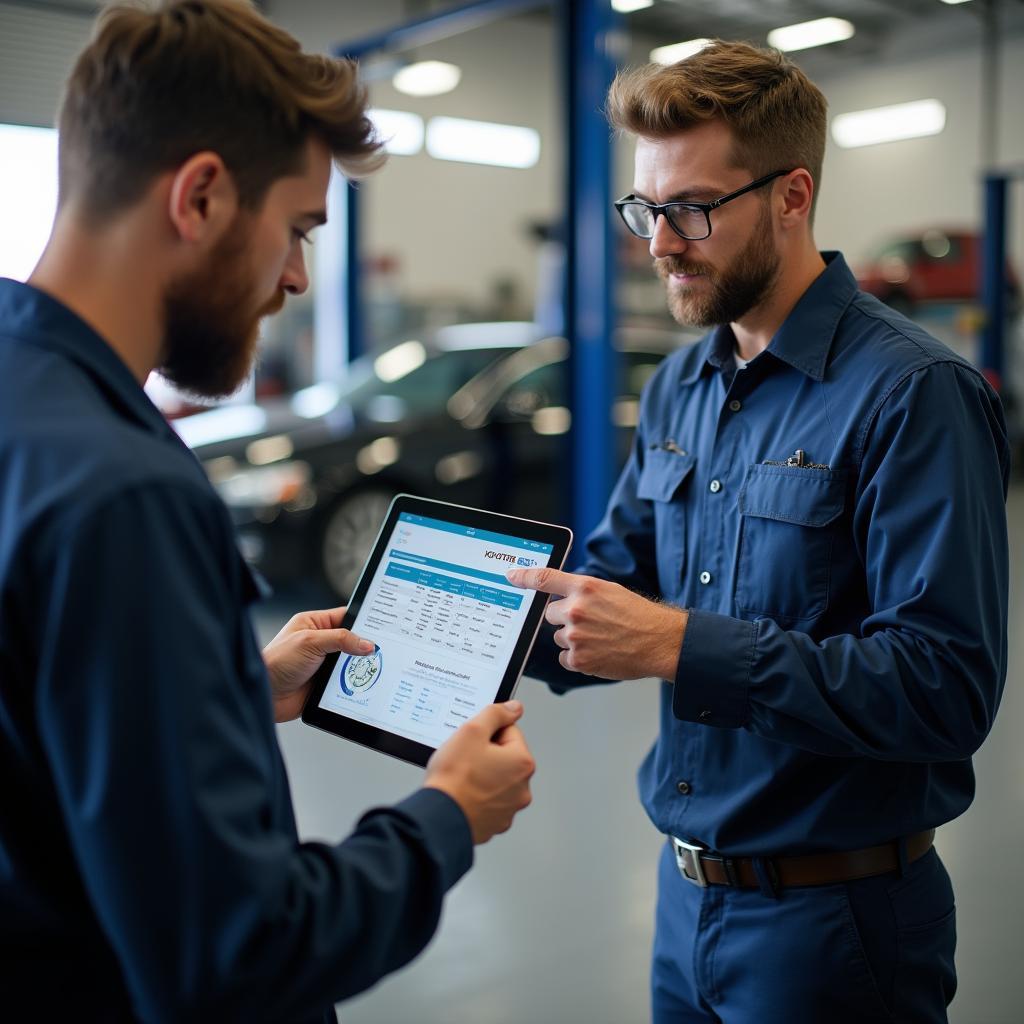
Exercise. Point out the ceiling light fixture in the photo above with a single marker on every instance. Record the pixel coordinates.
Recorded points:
(888, 124)
(678, 51)
(481, 142)
(628, 6)
(427, 78)
(401, 131)
(803, 36)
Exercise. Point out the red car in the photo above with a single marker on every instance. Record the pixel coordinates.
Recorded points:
(937, 265)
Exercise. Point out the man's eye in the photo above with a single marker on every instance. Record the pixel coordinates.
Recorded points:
(301, 236)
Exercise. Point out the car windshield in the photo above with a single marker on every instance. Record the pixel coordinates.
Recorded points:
(424, 389)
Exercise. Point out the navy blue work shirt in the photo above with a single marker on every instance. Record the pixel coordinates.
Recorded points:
(149, 862)
(846, 645)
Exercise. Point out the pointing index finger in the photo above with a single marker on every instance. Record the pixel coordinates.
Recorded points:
(550, 581)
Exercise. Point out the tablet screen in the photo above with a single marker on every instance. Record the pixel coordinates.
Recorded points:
(445, 623)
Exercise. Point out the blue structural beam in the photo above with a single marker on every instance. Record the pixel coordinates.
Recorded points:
(993, 279)
(586, 30)
(437, 26)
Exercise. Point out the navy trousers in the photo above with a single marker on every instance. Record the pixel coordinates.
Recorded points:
(877, 949)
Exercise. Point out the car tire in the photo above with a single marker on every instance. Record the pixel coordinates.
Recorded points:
(350, 528)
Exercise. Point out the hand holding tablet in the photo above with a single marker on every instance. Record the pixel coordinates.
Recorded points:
(451, 634)
(485, 767)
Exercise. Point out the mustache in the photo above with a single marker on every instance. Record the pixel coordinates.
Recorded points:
(666, 265)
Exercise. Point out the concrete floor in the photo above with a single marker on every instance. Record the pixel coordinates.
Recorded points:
(554, 923)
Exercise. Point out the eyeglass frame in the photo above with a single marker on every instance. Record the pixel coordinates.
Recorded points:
(660, 209)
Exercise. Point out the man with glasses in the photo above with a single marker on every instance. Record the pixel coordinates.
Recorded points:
(808, 544)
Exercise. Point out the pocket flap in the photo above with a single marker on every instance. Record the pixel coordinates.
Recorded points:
(662, 473)
(806, 497)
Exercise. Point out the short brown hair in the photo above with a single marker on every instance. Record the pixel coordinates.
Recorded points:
(776, 114)
(157, 85)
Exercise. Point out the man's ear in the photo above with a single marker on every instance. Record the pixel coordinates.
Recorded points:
(797, 193)
(203, 199)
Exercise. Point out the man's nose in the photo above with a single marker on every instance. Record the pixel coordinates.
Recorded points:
(664, 241)
(295, 280)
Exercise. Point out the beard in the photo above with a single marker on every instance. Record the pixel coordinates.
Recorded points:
(211, 320)
(729, 294)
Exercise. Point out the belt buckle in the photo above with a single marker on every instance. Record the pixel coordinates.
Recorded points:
(681, 849)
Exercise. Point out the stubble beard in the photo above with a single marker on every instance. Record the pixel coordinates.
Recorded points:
(212, 319)
(723, 296)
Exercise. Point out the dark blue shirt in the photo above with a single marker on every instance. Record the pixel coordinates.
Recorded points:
(149, 863)
(846, 644)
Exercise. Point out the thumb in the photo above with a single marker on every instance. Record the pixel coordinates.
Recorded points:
(496, 717)
(329, 641)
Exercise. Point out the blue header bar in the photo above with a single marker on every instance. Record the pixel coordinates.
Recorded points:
(472, 531)
(436, 563)
(465, 588)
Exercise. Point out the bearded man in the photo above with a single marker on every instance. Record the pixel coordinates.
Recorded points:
(808, 545)
(149, 863)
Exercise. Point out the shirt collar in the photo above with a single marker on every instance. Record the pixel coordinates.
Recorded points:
(805, 338)
(31, 316)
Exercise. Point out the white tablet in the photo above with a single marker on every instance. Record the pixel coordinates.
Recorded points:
(451, 633)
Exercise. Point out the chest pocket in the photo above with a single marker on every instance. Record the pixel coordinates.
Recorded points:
(789, 517)
(663, 474)
(663, 481)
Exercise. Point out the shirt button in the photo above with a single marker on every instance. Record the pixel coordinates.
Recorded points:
(715, 486)
(705, 577)
(684, 787)
(735, 405)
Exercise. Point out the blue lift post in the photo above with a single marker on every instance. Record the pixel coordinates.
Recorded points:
(585, 29)
(590, 265)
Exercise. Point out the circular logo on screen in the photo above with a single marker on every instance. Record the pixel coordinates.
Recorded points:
(360, 672)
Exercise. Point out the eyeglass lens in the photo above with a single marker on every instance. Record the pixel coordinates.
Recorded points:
(688, 221)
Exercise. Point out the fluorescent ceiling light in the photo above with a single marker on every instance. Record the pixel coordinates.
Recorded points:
(888, 124)
(628, 6)
(401, 131)
(954, 1)
(678, 51)
(427, 78)
(481, 142)
(810, 33)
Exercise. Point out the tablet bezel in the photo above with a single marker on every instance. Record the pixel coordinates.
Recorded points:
(560, 539)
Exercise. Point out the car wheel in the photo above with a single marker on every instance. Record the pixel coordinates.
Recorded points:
(348, 535)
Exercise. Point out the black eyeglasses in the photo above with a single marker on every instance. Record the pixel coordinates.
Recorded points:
(691, 221)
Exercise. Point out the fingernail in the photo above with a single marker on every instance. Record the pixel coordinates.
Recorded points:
(513, 575)
(366, 646)
(514, 705)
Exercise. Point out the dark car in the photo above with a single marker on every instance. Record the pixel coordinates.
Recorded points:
(475, 416)
(937, 265)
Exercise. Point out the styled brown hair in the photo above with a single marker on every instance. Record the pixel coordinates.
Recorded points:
(156, 85)
(776, 114)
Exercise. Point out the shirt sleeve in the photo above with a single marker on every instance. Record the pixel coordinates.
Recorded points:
(921, 679)
(154, 712)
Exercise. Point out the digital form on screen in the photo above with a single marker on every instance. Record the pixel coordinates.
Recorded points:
(445, 623)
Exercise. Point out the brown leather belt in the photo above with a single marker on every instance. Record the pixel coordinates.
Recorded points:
(702, 868)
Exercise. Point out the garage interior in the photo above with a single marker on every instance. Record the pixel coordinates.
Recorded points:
(445, 253)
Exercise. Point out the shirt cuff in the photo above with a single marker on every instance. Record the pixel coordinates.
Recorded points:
(713, 675)
(445, 828)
